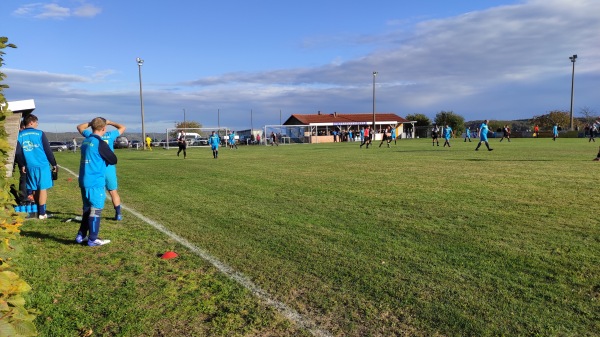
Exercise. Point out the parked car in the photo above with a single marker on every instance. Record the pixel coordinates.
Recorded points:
(136, 143)
(200, 142)
(58, 146)
(121, 142)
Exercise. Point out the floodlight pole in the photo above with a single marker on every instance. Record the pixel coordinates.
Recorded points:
(184, 123)
(572, 58)
(140, 62)
(374, 75)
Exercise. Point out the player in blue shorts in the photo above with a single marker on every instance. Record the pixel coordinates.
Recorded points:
(96, 155)
(555, 132)
(214, 141)
(111, 171)
(232, 140)
(483, 132)
(468, 134)
(394, 134)
(35, 157)
(447, 135)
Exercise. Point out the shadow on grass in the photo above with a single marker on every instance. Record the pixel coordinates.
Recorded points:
(40, 235)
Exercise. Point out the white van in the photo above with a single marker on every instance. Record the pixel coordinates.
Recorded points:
(195, 139)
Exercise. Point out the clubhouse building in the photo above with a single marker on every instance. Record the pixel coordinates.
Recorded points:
(322, 127)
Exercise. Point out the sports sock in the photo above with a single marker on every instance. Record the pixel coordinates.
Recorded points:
(118, 210)
(42, 209)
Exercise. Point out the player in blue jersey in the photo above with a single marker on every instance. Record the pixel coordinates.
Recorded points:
(447, 135)
(35, 158)
(483, 132)
(555, 132)
(96, 155)
(111, 171)
(232, 140)
(468, 134)
(214, 141)
(394, 134)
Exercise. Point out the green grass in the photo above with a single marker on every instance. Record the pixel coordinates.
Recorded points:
(411, 240)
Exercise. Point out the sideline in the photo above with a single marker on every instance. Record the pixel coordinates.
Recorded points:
(281, 307)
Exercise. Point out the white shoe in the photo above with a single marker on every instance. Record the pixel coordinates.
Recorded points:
(98, 242)
(43, 217)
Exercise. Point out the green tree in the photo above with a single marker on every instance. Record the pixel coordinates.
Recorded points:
(455, 121)
(189, 125)
(186, 125)
(546, 121)
(421, 119)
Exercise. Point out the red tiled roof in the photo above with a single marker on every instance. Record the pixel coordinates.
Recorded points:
(338, 118)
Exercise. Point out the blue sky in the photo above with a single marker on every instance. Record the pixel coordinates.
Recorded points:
(220, 60)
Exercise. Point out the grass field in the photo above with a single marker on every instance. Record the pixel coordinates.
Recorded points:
(411, 240)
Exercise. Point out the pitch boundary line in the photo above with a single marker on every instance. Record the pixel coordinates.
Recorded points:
(240, 278)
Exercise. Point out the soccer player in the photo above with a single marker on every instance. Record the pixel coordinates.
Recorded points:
(394, 134)
(96, 155)
(385, 137)
(149, 143)
(555, 132)
(232, 140)
(468, 134)
(213, 141)
(447, 135)
(483, 132)
(274, 139)
(434, 135)
(182, 144)
(35, 157)
(366, 135)
(111, 171)
(505, 133)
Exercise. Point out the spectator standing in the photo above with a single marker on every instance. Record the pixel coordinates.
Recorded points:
(593, 131)
(74, 145)
(35, 157)
(96, 156)
(110, 178)
(536, 131)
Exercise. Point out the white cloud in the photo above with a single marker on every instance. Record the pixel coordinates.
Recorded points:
(504, 62)
(55, 11)
(87, 10)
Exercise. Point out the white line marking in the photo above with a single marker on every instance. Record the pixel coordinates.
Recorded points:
(285, 310)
